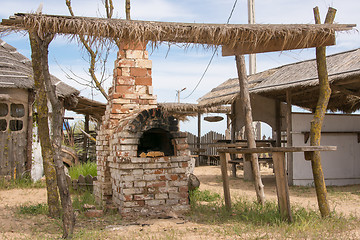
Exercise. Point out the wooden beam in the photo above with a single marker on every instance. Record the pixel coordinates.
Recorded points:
(274, 44)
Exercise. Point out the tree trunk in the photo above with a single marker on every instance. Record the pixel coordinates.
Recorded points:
(127, 9)
(316, 123)
(43, 123)
(57, 116)
(249, 130)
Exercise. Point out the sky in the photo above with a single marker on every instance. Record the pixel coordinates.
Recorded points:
(177, 68)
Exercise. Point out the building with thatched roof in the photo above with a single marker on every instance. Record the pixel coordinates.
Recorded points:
(18, 143)
(298, 85)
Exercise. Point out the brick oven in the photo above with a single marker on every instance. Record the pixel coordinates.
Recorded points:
(142, 157)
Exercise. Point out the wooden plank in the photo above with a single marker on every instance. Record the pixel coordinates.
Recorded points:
(282, 187)
(225, 178)
(278, 149)
(275, 44)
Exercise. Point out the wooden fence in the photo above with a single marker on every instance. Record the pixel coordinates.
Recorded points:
(208, 155)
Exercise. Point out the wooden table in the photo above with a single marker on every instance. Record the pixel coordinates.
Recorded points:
(278, 154)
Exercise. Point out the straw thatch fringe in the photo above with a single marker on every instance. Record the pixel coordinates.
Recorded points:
(157, 32)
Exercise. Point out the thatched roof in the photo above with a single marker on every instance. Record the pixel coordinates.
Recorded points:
(16, 72)
(302, 80)
(231, 35)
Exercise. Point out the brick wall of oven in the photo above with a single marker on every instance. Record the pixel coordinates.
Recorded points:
(138, 186)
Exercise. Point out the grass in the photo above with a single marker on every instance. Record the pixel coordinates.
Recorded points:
(37, 209)
(83, 169)
(249, 219)
(24, 182)
(84, 198)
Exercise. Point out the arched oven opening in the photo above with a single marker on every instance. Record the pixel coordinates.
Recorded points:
(156, 140)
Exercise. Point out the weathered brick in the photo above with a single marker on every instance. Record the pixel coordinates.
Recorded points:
(155, 202)
(143, 63)
(134, 54)
(144, 197)
(130, 191)
(161, 196)
(139, 184)
(126, 63)
(178, 183)
(124, 80)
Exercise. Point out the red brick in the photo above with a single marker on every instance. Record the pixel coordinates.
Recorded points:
(156, 184)
(141, 203)
(133, 46)
(185, 164)
(162, 177)
(118, 72)
(147, 81)
(174, 177)
(128, 197)
(183, 189)
(138, 72)
(124, 89)
(148, 72)
(159, 171)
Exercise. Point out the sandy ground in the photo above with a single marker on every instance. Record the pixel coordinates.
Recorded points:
(14, 226)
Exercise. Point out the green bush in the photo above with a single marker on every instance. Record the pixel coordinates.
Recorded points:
(83, 169)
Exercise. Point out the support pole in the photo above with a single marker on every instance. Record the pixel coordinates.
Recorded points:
(278, 123)
(249, 130)
(225, 178)
(282, 187)
(85, 143)
(233, 140)
(319, 115)
(198, 140)
(289, 138)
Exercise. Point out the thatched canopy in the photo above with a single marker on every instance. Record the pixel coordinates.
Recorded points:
(184, 110)
(290, 36)
(90, 107)
(302, 80)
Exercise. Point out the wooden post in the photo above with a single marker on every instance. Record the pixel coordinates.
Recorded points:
(289, 137)
(225, 179)
(249, 130)
(198, 140)
(85, 143)
(233, 140)
(282, 187)
(278, 122)
(319, 115)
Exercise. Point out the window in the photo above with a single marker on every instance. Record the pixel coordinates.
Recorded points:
(3, 124)
(17, 110)
(16, 125)
(4, 110)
